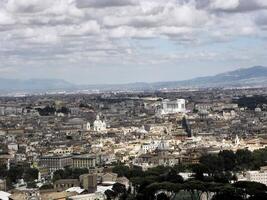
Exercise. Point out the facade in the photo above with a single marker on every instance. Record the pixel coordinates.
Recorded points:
(64, 184)
(53, 163)
(84, 161)
(172, 107)
(99, 125)
(258, 176)
(92, 196)
(2, 185)
(89, 182)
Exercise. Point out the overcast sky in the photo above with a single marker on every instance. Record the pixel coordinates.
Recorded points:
(118, 41)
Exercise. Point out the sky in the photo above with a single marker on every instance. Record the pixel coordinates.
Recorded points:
(122, 41)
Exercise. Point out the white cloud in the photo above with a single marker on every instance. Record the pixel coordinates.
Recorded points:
(86, 28)
(224, 4)
(116, 30)
(103, 3)
(27, 6)
(6, 18)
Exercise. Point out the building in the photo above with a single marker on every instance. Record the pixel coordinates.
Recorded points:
(258, 176)
(92, 196)
(89, 182)
(172, 107)
(99, 125)
(2, 184)
(64, 184)
(53, 163)
(84, 161)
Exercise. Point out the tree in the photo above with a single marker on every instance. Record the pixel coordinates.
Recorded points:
(250, 187)
(121, 170)
(259, 158)
(31, 184)
(119, 188)
(228, 158)
(227, 192)
(46, 187)
(213, 163)
(3, 171)
(30, 174)
(258, 196)
(58, 174)
(15, 173)
(110, 194)
(162, 196)
(227, 196)
(195, 188)
(243, 159)
(199, 170)
(171, 176)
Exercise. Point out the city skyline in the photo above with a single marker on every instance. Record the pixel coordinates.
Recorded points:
(122, 41)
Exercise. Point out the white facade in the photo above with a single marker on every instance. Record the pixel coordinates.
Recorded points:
(155, 144)
(92, 196)
(13, 146)
(172, 107)
(99, 126)
(257, 176)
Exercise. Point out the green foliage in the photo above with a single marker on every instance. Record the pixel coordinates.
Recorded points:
(148, 184)
(252, 102)
(119, 188)
(229, 159)
(15, 173)
(31, 185)
(251, 187)
(244, 159)
(63, 110)
(213, 163)
(162, 196)
(30, 174)
(69, 173)
(110, 194)
(46, 187)
(123, 170)
(46, 111)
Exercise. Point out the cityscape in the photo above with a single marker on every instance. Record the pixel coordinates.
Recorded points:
(133, 100)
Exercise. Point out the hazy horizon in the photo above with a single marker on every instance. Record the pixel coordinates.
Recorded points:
(126, 41)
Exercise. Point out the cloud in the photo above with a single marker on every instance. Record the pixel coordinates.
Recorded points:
(86, 28)
(120, 32)
(27, 6)
(103, 3)
(6, 18)
(224, 4)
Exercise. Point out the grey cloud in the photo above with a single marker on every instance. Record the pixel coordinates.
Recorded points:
(103, 3)
(241, 5)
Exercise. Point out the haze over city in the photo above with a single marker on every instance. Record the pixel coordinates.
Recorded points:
(133, 99)
(122, 41)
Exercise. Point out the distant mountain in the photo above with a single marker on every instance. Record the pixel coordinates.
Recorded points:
(242, 77)
(15, 85)
(251, 77)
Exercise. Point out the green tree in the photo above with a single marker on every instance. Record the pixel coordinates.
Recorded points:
(214, 163)
(30, 174)
(250, 187)
(15, 173)
(244, 159)
(162, 196)
(228, 158)
(110, 194)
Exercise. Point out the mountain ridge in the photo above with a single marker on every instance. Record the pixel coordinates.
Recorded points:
(253, 76)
